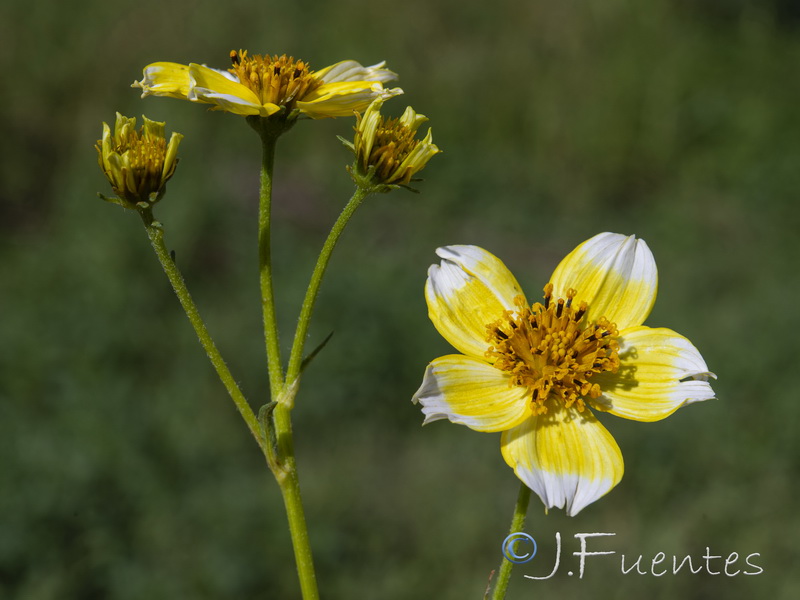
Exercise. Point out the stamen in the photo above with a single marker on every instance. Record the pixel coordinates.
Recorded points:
(275, 79)
(543, 348)
(548, 292)
(581, 311)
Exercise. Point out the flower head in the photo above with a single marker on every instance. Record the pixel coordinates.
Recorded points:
(387, 150)
(535, 372)
(138, 164)
(264, 85)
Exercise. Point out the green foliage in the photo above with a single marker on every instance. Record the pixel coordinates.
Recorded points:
(125, 472)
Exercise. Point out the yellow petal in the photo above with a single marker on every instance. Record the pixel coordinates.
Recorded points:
(616, 275)
(170, 159)
(419, 156)
(566, 457)
(153, 130)
(660, 371)
(412, 119)
(340, 99)
(212, 87)
(365, 132)
(165, 79)
(470, 289)
(471, 392)
(106, 149)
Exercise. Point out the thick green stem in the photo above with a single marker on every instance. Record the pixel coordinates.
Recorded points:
(282, 459)
(296, 356)
(290, 489)
(268, 140)
(156, 235)
(287, 472)
(517, 523)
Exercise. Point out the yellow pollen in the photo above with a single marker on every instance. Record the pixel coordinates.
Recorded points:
(279, 80)
(547, 349)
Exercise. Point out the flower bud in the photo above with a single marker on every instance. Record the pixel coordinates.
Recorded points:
(387, 150)
(138, 164)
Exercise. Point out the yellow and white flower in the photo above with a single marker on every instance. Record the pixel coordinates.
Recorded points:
(534, 372)
(263, 85)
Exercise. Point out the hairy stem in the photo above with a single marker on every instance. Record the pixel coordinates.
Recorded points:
(517, 523)
(156, 235)
(269, 139)
(296, 356)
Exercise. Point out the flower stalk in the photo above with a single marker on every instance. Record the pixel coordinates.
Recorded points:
(156, 234)
(517, 524)
(281, 458)
(289, 482)
(269, 130)
(272, 93)
(296, 356)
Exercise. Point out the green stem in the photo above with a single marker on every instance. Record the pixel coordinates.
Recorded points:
(289, 483)
(296, 356)
(156, 235)
(286, 474)
(517, 523)
(268, 140)
(283, 462)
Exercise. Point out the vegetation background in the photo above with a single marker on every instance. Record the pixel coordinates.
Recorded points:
(125, 472)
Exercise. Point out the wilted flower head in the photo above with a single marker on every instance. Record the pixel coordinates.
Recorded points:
(138, 164)
(264, 85)
(387, 150)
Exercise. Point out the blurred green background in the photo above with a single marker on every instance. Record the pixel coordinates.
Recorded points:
(125, 472)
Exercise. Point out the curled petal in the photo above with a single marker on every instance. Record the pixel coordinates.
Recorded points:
(616, 275)
(660, 371)
(366, 129)
(471, 392)
(470, 289)
(153, 129)
(566, 457)
(341, 99)
(171, 157)
(165, 79)
(418, 157)
(412, 119)
(350, 70)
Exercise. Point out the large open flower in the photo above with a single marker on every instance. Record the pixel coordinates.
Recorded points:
(534, 371)
(263, 85)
